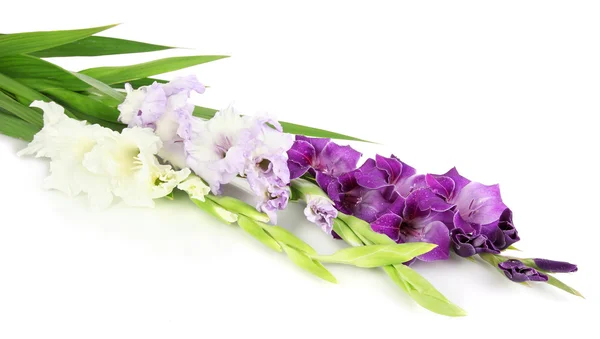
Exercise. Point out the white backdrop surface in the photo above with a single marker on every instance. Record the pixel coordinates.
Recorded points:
(506, 91)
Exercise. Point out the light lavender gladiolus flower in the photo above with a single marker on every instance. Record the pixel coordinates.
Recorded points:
(165, 108)
(320, 211)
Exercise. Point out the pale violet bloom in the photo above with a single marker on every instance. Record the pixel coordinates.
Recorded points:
(165, 108)
(66, 142)
(218, 148)
(194, 187)
(230, 144)
(320, 211)
(129, 159)
(266, 166)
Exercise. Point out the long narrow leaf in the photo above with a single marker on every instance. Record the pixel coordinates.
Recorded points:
(113, 75)
(21, 43)
(84, 104)
(39, 74)
(101, 87)
(98, 45)
(27, 114)
(16, 128)
(288, 127)
(139, 83)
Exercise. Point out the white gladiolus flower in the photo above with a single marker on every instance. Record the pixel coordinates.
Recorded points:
(129, 159)
(100, 162)
(195, 187)
(66, 142)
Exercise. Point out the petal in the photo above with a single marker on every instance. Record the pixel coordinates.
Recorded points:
(459, 181)
(388, 224)
(336, 160)
(436, 233)
(300, 158)
(441, 185)
(480, 204)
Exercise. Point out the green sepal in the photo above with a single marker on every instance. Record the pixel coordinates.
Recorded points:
(377, 255)
(422, 291)
(307, 263)
(285, 237)
(216, 210)
(559, 284)
(240, 207)
(252, 228)
(341, 229)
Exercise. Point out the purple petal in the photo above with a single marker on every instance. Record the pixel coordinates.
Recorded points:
(436, 233)
(516, 271)
(459, 181)
(335, 159)
(443, 186)
(300, 158)
(318, 143)
(478, 203)
(388, 224)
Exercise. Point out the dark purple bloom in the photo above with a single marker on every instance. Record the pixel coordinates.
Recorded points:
(518, 272)
(421, 217)
(467, 245)
(320, 156)
(554, 266)
(351, 198)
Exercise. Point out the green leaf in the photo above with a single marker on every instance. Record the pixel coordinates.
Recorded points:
(377, 255)
(39, 74)
(84, 104)
(117, 74)
(21, 43)
(286, 237)
(252, 228)
(207, 113)
(559, 284)
(27, 114)
(215, 210)
(305, 262)
(93, 120)
(346, 233)
(422, 291)
(511, 247)
(16, 128)
(240, 207)
(101, 87)
(139, 83)
(98, 45)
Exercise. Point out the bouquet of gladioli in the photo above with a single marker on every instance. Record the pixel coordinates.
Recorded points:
(115, 132)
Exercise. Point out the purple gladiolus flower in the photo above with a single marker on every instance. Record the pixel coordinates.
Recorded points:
(555, 266)
(516, 271)
(467, 245)
(351, 198)
(321, 157)
(421, 217)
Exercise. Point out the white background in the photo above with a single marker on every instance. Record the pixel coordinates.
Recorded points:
(506, 91)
